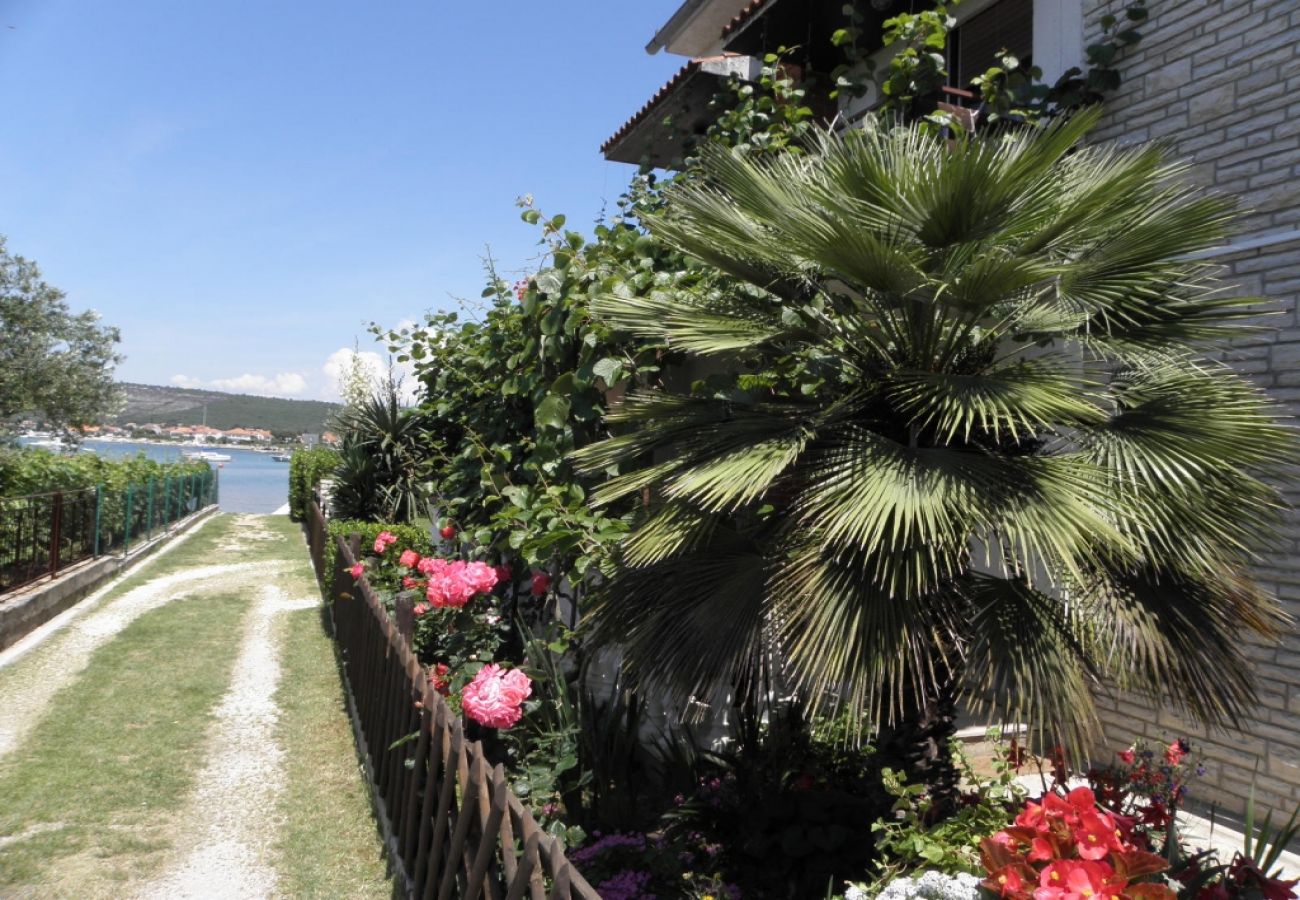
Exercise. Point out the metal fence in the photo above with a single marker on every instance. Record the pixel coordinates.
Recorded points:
(43, 534)
(455, 829)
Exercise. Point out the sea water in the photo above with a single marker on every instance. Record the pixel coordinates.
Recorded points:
(250, 482)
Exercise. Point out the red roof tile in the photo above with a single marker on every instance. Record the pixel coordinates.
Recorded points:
(751, 10)
(660, 95)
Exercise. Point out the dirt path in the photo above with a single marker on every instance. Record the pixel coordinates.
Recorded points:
(230, 821)
(210, 754)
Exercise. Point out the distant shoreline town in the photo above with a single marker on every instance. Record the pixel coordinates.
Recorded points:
(155, 433)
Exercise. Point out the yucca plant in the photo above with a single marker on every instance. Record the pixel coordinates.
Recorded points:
(968, 442)
(383, 460)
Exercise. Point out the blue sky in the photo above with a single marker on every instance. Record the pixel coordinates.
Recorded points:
(240, 186)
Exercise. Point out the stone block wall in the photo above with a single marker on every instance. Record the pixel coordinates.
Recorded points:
(1219, 82)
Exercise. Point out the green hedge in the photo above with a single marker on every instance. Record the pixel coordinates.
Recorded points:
(24, 471)
(413, 536)
(308, 466)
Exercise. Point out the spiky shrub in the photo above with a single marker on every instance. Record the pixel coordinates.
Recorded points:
(971, 443)
(383, 461)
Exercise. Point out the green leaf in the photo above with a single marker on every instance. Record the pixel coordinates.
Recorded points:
(553, 412)
(549, 281)
(608, 369)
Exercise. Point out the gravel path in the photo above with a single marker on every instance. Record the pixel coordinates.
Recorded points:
(59, 661)
(231, 821)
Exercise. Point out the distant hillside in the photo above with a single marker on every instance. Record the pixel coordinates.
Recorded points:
(183, 406)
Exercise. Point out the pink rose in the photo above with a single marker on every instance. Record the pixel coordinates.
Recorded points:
(420, 609)
(408, 582)
(455, 583)
(480, 576)
(384, 541)
(408, 559)
(494, 698)
(357, 571)
(1127, 756)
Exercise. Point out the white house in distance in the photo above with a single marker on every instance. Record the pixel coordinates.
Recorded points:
(1219, 82)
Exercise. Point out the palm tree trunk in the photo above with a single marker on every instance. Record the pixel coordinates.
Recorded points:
(918, 743)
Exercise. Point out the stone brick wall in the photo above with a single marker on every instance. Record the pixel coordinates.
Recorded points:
(1219, 81)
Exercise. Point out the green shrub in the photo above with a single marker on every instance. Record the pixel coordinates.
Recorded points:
(306, 468)
(414, 536)
(26, 471)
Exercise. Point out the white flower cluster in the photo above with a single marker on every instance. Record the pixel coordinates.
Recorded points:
(926, 886)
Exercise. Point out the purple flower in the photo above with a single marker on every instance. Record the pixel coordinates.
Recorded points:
(606, 843)
(629, 884)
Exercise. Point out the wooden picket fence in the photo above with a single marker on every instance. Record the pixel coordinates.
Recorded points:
(453, 827)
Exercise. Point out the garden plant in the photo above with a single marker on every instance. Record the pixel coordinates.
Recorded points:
(836, 432)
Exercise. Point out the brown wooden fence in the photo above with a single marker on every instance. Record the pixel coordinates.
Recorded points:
(453, 827)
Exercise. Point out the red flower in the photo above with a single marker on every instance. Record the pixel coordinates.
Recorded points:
(1176, 751)
(1095, 836)
(438, 679)
(1069, 879)
(1127, 757)
(541, 584)
(1007, 881)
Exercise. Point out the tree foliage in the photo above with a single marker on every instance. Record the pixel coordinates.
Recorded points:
(53, 362)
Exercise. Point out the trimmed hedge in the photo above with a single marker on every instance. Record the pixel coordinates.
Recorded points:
(407, 535)
(306, 467)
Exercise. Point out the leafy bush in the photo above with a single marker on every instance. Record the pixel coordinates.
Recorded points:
(33, 471)
(307, 466)
(414, 536)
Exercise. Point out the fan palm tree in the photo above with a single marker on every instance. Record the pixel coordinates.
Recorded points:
(971, 446)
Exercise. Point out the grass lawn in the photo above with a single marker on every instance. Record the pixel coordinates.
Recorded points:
(117, 751)
(94, 796)
(329, 846)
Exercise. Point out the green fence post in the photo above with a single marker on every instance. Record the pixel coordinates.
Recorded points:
(99, 511)
(130, 509)
(149, 527)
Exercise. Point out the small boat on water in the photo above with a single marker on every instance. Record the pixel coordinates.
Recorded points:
(208, 455)
(281, 457)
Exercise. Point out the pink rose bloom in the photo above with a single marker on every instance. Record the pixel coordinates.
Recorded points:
(408, 582)
(449, 589)
(480, 576)
(494, 698)
(1127, 756)
(384, 541)
(430, 565)
(408, 559)
(420, 609)
(357, 571)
